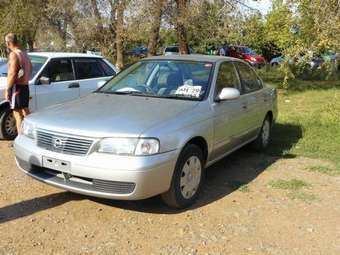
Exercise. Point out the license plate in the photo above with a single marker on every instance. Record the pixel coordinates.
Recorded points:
(56, 164)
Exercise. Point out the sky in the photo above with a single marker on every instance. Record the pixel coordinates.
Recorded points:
(262, 5)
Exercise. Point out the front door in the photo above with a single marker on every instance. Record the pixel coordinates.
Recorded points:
(228, 115)
(62, 88)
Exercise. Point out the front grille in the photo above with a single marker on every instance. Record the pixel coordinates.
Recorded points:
(113, 186)
(63, 144)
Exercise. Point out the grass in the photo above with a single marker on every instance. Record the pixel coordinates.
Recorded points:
(325, 170)
(296, 189)
(308, 121)
(303, 196)
(293, 184)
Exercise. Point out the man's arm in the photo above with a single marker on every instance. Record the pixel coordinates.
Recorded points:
(13, 64)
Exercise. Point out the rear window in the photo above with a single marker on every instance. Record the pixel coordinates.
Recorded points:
(107, 69)
(88, 68)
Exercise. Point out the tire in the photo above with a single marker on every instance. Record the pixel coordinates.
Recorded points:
(8, 129)
(263, 139)
(186, 181)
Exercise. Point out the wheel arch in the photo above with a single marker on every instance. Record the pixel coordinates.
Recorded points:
(200, 142)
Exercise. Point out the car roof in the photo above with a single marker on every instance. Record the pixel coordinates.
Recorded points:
(63, 55)
(194, 57)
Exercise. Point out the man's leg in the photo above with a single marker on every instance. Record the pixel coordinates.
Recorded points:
(18, 116)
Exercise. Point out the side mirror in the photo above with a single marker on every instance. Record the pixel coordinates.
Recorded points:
(228, 94)
(100, 84)
(44, 80)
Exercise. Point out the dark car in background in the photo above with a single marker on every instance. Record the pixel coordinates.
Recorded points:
(247, 54)
(138, 52)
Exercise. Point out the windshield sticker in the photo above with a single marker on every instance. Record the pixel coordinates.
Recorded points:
(187, 90)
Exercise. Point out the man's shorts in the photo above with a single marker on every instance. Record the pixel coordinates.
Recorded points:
(19, 97)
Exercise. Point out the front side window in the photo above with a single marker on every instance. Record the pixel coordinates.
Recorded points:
(163, 78)
(227, 77)
(59, 70)
(88, 68)
(249, 79)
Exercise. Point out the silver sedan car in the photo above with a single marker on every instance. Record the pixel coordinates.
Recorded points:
(153, 129)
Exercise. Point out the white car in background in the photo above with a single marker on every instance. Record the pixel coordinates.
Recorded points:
(56, 78)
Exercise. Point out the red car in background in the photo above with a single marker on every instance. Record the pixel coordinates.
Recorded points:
(247, 54)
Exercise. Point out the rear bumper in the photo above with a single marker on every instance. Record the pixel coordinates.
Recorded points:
(100, 175)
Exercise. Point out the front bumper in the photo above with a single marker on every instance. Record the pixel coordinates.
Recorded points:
(99, 175)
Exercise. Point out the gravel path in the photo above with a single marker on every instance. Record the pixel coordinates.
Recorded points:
(229, 218)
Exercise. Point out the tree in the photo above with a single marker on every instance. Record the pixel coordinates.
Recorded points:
(157, 7)
(181, 13)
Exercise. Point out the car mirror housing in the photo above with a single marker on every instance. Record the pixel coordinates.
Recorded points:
(228, 94)
(44, 80)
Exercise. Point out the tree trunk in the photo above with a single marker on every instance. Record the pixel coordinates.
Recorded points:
(120, 34)
(180, 26)
(97, 16)
(157, 11)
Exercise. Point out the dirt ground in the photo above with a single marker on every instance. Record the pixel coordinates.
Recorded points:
(255, 218)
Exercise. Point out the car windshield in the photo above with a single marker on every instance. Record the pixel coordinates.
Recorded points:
(164, 79)
(248, 51)
(37, 63)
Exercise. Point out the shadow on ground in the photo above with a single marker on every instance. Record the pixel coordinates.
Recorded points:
(223, 178)
(29, 207)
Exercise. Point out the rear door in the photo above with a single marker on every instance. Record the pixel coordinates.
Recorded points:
(229, 119)
(62, 87)
(252, 98)
(90, 72)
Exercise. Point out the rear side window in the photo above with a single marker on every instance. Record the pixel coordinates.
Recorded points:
(249, 79)
(108, 70)
(59, 70)
(227, 77)
(88, 68)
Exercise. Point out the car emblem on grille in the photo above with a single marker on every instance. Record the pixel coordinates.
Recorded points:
(57, 143)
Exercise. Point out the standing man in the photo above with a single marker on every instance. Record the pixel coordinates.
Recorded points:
(19, 73)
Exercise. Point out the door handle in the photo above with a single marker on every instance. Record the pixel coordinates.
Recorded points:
(73, 85)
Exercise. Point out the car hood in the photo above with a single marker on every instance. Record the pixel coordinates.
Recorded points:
(105, 115)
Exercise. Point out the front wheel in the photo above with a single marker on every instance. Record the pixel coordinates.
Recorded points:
(8, 128)
(187, 179)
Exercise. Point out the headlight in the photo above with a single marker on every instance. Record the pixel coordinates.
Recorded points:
(129, 146)
(253, 59)
(28, 129)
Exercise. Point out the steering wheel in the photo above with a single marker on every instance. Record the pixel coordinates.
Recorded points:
(146, 88)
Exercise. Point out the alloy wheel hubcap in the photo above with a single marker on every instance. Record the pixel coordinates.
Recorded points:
(190, 177)
(265, 132)
(10, 126)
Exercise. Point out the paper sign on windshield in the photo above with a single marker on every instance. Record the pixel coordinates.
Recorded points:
(187, 90)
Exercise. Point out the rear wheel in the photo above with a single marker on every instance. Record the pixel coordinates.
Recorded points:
(263, 139)
(8, 128)
(187, 179)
